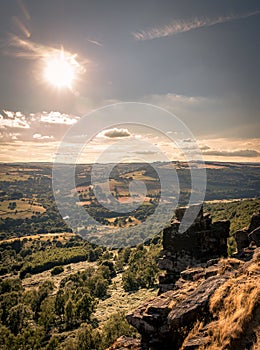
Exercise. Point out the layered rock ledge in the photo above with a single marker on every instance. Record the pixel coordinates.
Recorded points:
(214, 303)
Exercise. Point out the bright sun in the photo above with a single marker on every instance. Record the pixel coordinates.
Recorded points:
(59, 71)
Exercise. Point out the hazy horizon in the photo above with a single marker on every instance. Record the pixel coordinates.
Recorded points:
(60, 61)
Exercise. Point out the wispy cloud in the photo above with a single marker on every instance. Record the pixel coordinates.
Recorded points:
(247, 153)
(95, 42)
(181, 26)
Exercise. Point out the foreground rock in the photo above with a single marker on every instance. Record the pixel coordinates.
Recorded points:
(168, 318)
(248, 238)
(124, 343)
(214, 304)
(188, 316)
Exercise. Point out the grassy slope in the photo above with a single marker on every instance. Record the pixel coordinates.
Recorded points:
(22, 210)
(119, 300)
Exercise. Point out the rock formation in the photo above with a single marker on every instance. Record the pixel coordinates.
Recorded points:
(124, 343)
(213, 304)
(208, 306)
(201, 242)
(248, 238)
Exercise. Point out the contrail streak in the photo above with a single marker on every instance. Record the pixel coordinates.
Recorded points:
(182, 26)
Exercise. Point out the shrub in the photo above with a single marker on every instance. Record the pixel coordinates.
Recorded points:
(142, 270)
(115, 327)
(57, 270)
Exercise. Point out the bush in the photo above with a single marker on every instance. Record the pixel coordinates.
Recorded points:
(142, 270)
(88, 338)
(10, 285)
(115, 327)
(57, 270)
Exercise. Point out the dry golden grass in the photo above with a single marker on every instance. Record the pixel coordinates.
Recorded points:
(59, 236)
(235, 310)
(235, 305)
(195, 333)
(229, 264)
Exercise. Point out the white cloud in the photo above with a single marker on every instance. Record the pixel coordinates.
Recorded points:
(116, 133)
(41, 137)
(19, 114)
(8, 136)
(14, 136)
(44, 126)
(11, 120)
(58, 118)
(95, 42)
(9, 114)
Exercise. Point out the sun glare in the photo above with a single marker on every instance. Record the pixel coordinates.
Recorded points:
(59, 71)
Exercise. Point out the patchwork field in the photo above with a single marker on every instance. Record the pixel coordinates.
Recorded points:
(20, 209)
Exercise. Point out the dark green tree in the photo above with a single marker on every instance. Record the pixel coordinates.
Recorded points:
(18, 317)
(85, 307)
(69, 313)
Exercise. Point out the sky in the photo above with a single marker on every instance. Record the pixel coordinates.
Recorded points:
(197, 59)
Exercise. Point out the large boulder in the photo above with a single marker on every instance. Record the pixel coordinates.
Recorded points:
(202, 241)
(255, 236)
(255, 222)
(247, 238)
(242, 239)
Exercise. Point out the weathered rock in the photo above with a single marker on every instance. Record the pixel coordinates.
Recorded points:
(168, 318)
(247, 237)
(189, 274)
(197, 341)
(242, 239)
(255, 236)
(255, 222)
(124, 343)
(195, 306)
(165, 322)
(202, 241)
(179, 212)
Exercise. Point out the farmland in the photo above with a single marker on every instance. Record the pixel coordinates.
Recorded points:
(72, 290)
